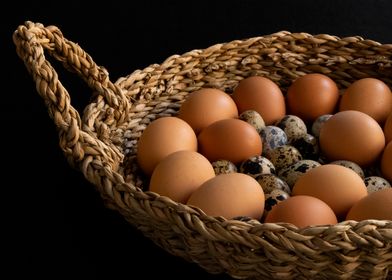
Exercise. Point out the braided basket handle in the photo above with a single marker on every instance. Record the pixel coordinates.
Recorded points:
(31, 40)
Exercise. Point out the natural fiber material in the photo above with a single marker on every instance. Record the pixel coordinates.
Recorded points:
(102, 144)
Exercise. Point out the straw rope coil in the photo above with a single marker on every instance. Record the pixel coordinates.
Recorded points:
(102, 144)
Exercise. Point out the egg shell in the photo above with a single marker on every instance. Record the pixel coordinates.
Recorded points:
(370, 96)
(338, 186)
(230, 139)
(318, 123)
(386, 162)
(293, 126)
(262, 95)
(230, 195)
(253, 118)
(257, 165)
(274, 198)
(354, 136)
(302, 211)
(179, 174)
(376, 183)
(293, 172)
(352, 165)
(270, 182)
(388, 129)
(162, 137)
(283, 156)
(272, 137)
(377, 205)
(308, 146)
(311, 96)
(206, 106)
(224, 167)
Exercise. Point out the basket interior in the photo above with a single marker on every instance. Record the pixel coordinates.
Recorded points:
(159, 90)
(214, 243)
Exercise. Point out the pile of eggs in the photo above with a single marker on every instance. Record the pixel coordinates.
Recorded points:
(311, 156)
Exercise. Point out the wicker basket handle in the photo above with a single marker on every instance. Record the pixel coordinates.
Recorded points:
(31, 40)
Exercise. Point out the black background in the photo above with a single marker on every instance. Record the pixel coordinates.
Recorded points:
(56, 224)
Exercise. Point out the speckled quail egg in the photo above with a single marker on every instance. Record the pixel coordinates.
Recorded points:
(272, 137)
(308, 146)
(292, 173)
(224, 167)
(257, 165)
(293, 126)
(270, 182)
(318, 123)
(253, 118)
(284, 156)
(273, 198)
(376, 183)
(352, 165)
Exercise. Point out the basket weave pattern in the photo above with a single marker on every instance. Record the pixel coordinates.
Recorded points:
(103, 142)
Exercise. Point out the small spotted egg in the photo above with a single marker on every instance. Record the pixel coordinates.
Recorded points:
(273, 198)
(272, 137)
(308, 146)
(257, 165)
(224, 167)
(283, 156)
(352, 165)
(293, 126)
(375, 183)
(292, 173)
(270, 182)
(318, 123)
(253, 118)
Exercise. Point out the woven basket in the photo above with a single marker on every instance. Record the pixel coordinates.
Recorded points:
(102, 144)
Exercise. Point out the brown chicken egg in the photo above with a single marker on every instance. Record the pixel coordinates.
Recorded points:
(370, 96)
(388, 129)
(179, 174)
(311, 96)
(205, 106)
(162, 137)
(231, 139)
(353, 136)
(262, 95)
(230, 195)
(302, 211)
(336, 185)
(377, 205)
(386, 162)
